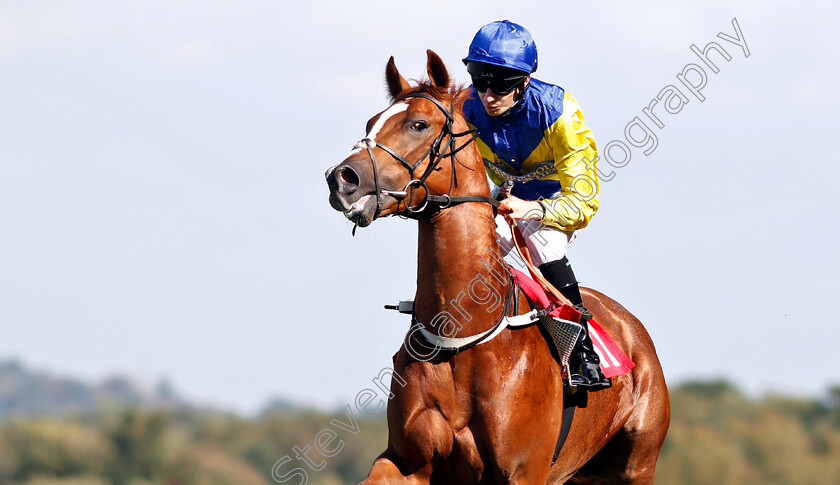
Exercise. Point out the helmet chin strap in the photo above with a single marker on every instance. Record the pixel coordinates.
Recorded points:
(520, 101)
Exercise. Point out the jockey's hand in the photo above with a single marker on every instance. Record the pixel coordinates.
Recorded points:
(516, 208)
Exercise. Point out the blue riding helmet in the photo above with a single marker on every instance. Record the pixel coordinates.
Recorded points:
(505, 44)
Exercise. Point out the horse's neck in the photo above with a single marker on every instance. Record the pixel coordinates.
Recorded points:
(461, 277)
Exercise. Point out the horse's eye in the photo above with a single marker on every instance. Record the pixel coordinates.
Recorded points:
(419, 126)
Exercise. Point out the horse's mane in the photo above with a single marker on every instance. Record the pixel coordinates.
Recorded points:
(456, 94)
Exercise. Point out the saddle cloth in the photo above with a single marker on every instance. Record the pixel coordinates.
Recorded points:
(614, 362)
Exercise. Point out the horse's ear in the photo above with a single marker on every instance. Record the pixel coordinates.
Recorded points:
(437, 70)
(396, 83)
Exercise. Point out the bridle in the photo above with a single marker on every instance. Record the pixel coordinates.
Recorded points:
(435, 156)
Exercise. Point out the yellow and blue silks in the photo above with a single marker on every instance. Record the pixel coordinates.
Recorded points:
(543, 145)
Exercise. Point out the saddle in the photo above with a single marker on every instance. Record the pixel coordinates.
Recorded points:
(559, 321)
(561, 324)
(562, 320)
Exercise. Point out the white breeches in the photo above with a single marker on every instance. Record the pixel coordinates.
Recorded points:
(545, 243)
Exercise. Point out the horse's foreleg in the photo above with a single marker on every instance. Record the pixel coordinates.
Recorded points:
(384, 471)
(526, 477)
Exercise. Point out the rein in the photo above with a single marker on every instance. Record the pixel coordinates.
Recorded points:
(522, 248)
(435, 156)
(458, 344)
(443, 201)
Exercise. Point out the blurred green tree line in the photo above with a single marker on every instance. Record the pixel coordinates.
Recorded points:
(717, 435)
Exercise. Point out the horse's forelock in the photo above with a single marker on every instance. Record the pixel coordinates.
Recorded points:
(461, 94)
(456, 95)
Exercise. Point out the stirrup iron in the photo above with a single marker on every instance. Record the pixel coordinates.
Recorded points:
(565, 334)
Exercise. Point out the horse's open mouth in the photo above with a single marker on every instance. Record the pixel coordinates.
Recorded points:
(362, 211)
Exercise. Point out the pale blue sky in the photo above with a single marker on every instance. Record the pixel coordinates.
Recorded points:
(163, 211)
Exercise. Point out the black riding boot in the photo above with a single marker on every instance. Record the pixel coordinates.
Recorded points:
(584, 362)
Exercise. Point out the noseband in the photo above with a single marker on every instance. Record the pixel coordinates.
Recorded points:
(435, 156)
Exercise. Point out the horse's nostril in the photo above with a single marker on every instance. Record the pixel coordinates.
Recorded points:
(348, 177)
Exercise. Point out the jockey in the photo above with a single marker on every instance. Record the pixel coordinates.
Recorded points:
(532, 134)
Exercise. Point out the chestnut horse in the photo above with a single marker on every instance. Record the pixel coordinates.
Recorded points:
(490, 413)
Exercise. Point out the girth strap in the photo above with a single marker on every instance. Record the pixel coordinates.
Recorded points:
(565, 426)
(458, 344)
(450, 344)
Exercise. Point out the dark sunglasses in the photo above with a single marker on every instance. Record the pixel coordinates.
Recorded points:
(500, 86)
(501, 80)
